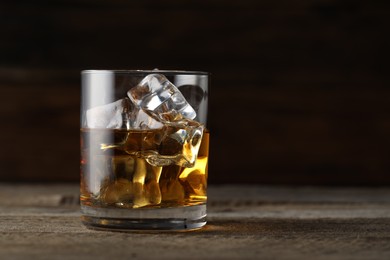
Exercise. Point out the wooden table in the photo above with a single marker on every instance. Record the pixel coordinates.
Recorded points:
(244, 222)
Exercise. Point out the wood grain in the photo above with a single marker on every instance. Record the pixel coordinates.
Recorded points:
(244, 222)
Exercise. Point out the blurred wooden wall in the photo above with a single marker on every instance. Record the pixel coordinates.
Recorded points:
(299, 92)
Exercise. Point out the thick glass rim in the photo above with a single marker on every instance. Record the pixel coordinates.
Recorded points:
(141, 72)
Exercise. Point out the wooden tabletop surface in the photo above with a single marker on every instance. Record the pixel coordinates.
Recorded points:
(42, 221)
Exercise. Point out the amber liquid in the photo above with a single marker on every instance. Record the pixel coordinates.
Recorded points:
(114, 172)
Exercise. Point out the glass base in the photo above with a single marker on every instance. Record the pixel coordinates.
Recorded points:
(164, 219)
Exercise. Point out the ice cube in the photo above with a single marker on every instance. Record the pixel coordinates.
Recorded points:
(141, 120)
(145, 184)
(153, 192)
(172, 190)
(161, 99)
(170, 185)
(195, 178)
(113, 115)
(120, 114)
(180, 145)
(119, 192)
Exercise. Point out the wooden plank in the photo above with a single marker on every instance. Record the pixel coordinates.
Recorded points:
(223, 199)
(285, 226)
(64, 237)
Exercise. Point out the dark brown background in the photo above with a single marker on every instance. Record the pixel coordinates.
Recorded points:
(299, 91)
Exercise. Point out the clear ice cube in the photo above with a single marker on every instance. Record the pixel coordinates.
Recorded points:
(118, 192)
(141, 120)
(120, 114)
(145, 184)
(161, 99)
(155, 103)
(113, 115)
(180, 145)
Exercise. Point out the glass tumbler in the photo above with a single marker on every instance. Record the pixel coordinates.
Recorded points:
(144, 149)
